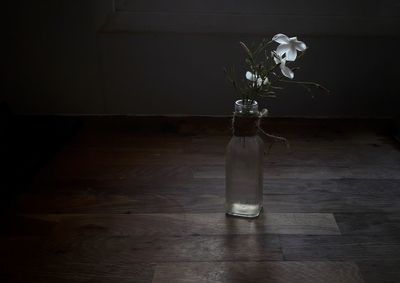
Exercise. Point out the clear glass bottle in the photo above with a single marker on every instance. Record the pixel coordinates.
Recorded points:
(244, 168)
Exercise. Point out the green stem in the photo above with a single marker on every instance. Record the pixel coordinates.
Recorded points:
(307, 83)
(261, 48)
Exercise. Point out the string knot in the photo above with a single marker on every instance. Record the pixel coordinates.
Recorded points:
(247, 125)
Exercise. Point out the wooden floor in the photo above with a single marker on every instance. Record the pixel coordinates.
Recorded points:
(141, 200)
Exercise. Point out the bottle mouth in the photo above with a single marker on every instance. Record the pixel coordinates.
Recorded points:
(248, 106)
(247, 103)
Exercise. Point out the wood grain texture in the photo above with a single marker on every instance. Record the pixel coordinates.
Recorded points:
(88, 245)
(136, 200)
(369, 223)
(248, 272)
(310, 172)
(207, 195)
(382, 271)
(84, 272)
(297, 247)
(182, 224)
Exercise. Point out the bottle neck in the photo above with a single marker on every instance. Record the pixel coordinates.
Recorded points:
(246, 107)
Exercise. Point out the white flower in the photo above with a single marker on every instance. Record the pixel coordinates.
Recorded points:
(288, 46)
(259, 82)
(282, 61)
(251, 77)
(256, 78)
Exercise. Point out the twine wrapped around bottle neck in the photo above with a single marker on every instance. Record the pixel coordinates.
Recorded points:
(249, 125)
(244, 125)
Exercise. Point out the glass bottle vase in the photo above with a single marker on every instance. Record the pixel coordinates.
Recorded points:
(244, 164)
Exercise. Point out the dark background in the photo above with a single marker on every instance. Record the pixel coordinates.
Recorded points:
(72, 182)
(166, 57)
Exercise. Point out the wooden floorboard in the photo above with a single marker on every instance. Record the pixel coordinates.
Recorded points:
(84, 272)
(382, 271)
(87, 245)
(310, 172)
(365, 247)
(248, 272)
(200, 196)
(181, 224)
(368, 223)
(142, 200)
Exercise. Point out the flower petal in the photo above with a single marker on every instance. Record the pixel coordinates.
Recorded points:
(259, 82)
(276, 57)
(291, 54)
(282, 49)
(300, 45)
(280, 38)
(250, 76)
(286, 71)
(266, 81)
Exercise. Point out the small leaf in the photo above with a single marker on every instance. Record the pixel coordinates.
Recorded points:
(247, 50)
(277, 87)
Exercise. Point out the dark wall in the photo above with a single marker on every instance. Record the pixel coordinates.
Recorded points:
(56, 62)
(166, 57)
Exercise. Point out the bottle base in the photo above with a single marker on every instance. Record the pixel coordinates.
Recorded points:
(243, 209)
